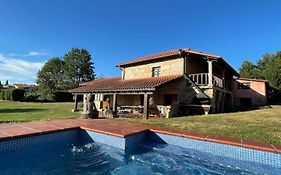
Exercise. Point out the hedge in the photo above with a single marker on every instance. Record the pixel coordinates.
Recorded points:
(12, 94)
(62, 96)
(2, 95)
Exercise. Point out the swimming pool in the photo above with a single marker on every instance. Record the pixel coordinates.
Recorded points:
(86, 152)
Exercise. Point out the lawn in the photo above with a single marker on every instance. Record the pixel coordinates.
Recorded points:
(261, 125)
(19, 111)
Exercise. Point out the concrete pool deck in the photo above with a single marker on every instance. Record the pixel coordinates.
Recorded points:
(119, 129)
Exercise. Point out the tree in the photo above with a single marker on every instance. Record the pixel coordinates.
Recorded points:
(101, 76)
(50, 77)
(7, 83)
(1, 84)
(78, 67)
(272, 70)
(262, 63)
(248, 70)
(62, 74)
(268, 67)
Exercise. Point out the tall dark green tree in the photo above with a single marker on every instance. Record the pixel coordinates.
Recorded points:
(62, 74)
(248, 70)
(268, 67)
(50, 77)
(272, 70)
(78, 67)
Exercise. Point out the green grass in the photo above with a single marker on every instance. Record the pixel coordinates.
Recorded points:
(20, 112)
(260, 125)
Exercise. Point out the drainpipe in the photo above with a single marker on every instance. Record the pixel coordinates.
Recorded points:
(122, 73)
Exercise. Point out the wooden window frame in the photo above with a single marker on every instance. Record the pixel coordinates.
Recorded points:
(156, 71)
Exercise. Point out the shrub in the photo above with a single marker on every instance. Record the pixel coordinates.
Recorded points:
(276, 98)
(2, 95)
(31, 98)
(12, 94)
(62, 96)
(8, 94)
(17, 94)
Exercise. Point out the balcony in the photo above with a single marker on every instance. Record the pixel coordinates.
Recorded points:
(202, 79)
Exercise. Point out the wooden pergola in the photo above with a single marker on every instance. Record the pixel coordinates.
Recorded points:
(145, 94)
(118, 86)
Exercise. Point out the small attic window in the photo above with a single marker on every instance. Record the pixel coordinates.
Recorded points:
(244, 85)
(156, 71)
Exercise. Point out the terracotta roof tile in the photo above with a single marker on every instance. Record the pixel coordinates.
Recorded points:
(176, 53)
(166, 54)
(25, 85)
(117, 84)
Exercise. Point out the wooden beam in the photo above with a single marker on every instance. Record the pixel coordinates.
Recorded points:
(210, 72)
(145, 105)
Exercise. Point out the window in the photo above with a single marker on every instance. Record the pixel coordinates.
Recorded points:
(156, 71)
(244, 85)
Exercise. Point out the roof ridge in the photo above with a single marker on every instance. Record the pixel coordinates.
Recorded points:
(119, 85)
(159, 77)
(164, 54)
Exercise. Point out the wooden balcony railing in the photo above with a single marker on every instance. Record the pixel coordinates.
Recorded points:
(202, 79)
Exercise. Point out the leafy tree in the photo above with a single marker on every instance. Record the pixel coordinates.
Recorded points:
(272, 70)
(262, 63)
(101, 76)
(78, 67)
(268, 67)
(62, 74)
(248, 70)
(7, 83)
(1, 84)
(50, 77)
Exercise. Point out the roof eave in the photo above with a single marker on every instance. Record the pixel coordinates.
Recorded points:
(114, 91)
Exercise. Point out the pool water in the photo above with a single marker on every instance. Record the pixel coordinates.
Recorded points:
(82, 157)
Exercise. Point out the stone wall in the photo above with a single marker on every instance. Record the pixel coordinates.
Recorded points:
(172, 66)
(184, 93)
(257, 92)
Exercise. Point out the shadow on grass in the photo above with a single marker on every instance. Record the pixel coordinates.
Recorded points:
(8, 110)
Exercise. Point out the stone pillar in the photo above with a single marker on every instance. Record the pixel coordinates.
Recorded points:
(75, 104)
(88, 107)
(210, 72)
(114, 104)
(145, 106)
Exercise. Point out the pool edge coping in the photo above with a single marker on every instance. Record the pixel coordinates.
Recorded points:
(250, 144)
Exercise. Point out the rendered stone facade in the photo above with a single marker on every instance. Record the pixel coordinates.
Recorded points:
(197, 83)
(250, 92)
(172, 66)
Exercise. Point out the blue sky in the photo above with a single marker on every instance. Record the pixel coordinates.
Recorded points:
(33, 31)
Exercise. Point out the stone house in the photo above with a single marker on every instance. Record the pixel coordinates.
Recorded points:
(168, 84)
(250, 92)
(26, 87)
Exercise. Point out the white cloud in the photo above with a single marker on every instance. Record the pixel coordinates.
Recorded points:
(28, 54)
(36, 53)
(18, 70)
